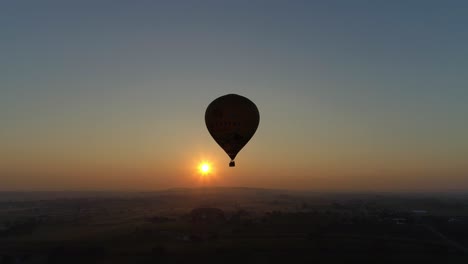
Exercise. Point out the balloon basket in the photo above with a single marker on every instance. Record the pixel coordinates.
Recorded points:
(232, 164)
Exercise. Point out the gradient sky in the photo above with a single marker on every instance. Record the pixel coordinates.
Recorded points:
(353, 95)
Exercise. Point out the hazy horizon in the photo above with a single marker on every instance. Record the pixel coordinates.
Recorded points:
(353, 96)
(455, 191)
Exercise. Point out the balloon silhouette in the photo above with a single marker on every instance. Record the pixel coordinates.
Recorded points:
(232, 121)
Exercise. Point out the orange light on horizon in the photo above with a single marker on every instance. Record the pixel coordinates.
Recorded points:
(206, 173)
(204, 168)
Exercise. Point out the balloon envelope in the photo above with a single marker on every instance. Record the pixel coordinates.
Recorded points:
(232, 121)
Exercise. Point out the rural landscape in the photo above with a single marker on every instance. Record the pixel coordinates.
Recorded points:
(232, 225)
(177, 131)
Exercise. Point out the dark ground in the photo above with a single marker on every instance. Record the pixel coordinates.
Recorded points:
(235, 225)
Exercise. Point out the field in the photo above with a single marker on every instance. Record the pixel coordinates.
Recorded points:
(233, 225)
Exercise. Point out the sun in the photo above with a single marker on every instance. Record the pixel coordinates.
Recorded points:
(204, 168)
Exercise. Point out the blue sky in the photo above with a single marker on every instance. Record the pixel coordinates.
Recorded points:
(343, 87)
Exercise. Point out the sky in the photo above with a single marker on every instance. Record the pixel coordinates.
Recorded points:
(353, 95)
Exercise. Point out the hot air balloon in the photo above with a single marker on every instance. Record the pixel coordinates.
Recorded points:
(232, 121)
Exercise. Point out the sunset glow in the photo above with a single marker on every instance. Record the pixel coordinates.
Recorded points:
(355, 96)
(204, 168)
